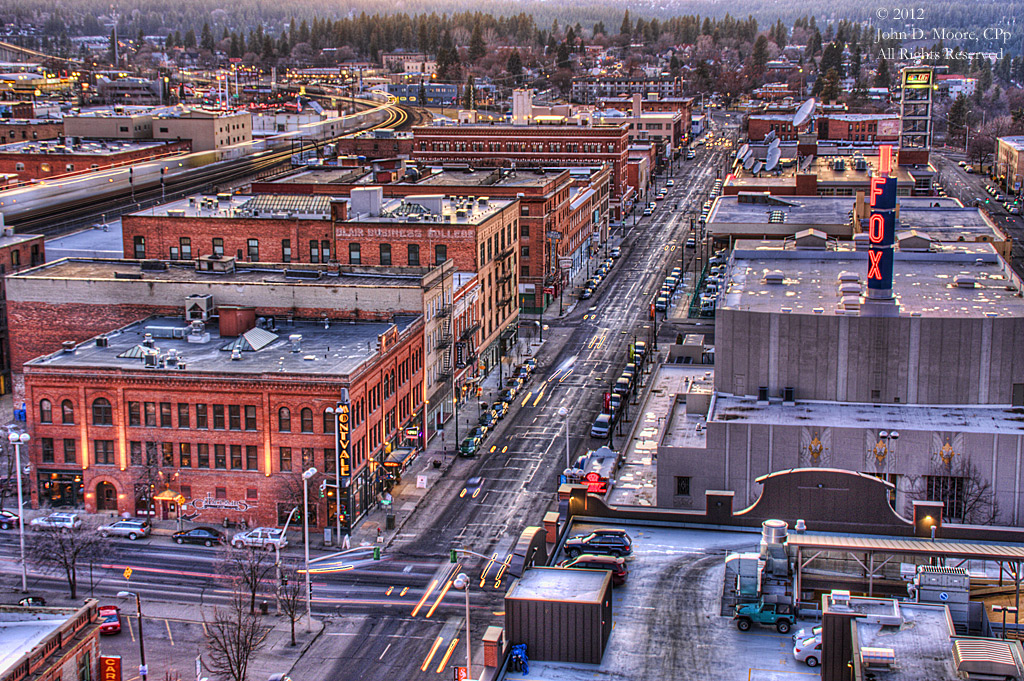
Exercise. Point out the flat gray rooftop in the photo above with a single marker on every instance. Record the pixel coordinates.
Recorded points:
(906, 417)
(924, 651)
(328, 176)
(109, 269)
(263, 206)
(20, 632)
(923, 282)
(85, 147)
(556, 584)
(338, 350)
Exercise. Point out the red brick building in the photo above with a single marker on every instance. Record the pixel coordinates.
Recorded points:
(45, 159)
(265, 228)
(376, 144)
(877, 128)
(172, 415)
(760, 125)
(556, 145)
(17, 251)
(24, 129)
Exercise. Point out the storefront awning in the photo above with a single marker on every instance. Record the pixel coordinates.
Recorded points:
(400, 457)
(169, 495)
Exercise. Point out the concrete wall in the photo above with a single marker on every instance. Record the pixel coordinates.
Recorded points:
(915, 360)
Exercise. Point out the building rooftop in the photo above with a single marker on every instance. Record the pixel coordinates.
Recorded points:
(1015, 141)
(334, 349)
(979, 419)
(22, 629)
(921, 643)
(556, 584)
(821, 166)
(924, 282)
(85, 147)
(431, 209)
(857, 117)
(262, 206)
(98, 269)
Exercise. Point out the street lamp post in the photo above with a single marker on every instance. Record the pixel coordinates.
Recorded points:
(17, 440)
(564, 413)
(277, 557)
(462, 582)
(305, 531)
(143, 670)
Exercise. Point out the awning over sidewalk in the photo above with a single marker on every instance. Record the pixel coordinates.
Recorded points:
(400, 457)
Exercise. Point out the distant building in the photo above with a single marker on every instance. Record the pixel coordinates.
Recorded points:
(45, 159)
(432, 94)
(590, 89)
(206, 130)
(129, 90)
(856, 127)
(953, 86)
(41, 643)
(1010, 162)
(23, 129)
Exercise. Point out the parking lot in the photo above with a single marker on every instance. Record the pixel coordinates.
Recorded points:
(666, 618)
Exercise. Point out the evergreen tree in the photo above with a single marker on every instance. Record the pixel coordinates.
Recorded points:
(830, 86)
(206, 39)
(563, 56)
(514, 66)
(957, 117)
(469, 93)
(112, 49)
(759, 58)
(626, 28)
(882, 76)
(477, 46)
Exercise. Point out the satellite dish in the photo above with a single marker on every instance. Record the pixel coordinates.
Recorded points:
(774, 144)
(743, 151)
(774, 154)
(749, 163)
(803, 114)
(757, 167)
(748, 155)
(770, 136)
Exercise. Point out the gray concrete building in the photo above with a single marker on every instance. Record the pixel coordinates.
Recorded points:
(930, 398)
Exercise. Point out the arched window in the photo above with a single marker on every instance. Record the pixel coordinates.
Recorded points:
(102, 415)
(307, 419)
(328, 423)
(284, 420)
(45, 412)
(67, 412)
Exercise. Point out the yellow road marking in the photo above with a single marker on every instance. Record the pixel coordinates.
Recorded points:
(539, 396)
(451, 649)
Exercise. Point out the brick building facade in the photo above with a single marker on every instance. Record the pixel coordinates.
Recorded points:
(24, 129)
(135, 419)
(17, 251)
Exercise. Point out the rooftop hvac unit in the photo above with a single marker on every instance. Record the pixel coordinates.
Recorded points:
(198, 306)
(964, 281)
(877, 657)
(774, 277)
(296, 340)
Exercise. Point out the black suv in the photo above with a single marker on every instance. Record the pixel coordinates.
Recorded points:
(602, 541)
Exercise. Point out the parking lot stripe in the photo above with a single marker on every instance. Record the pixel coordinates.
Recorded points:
(168, 623)
(384, 653)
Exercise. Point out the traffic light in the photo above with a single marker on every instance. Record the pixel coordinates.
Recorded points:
(453, 556)
(311, 589)
(376, 553)
(284, 580)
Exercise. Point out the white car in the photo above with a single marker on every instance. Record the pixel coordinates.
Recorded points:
(808, 650)
(65, 521)
(261, 537)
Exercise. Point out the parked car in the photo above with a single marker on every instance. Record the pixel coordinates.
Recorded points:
(207, 536)
(260, 537)
(522, 373)
(647, 211)
(587, 293)
(66, 521)
(469, 446)
(602, 426)
(110, 619)
(588, 561)
(478, 433)
(32, 602)
(671, 183)
(615, 252)
(806, 632)
(507, 395)
(487, 420)
(808, 650)
(661, 304)
(500, 409)
(603, 541)
(132, 528)
(532, 363)
(8, 520)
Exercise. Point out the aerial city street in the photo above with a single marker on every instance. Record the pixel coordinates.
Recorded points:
(588, 342)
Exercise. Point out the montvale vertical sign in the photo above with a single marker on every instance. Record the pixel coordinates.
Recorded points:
(343, 436)
(882, 228)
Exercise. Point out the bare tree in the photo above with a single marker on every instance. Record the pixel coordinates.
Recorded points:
(251, 567)
(292, 595)
(232, 637)
(969, 497)
(62, 550)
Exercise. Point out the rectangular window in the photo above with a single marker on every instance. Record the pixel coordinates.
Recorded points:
(139, 243)
(325, 251)
(167, 453)
(329, 461)
(524, 251)
(440, 254)
(203, 455)
(251, 460)
(186, 491)
(183, 420)
(218, 247)
(385, 254)
(220, 492)
(165, 415)
(236, 457)
(950, 490)
(186, 247)
(134, 414)
(70, 450)
(354, 255)
(46, 447)
(220, 457)
(314, 250)
(150, 414)
(483, 254)
(103, 452)
(185, 455)
(524, 230)
(414, 255)
(135, 453)
(218, 417)
(201, 419)
(252, 494)
(286, 250)
(683, 485)
(285, 458)
(85, 667)
(234, 417)
(307, 457)
(254, 250)
(250, 417)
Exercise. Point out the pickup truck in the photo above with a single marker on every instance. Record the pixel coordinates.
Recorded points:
(779, 615)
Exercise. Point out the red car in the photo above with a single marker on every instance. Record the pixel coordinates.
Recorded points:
(110, 619)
